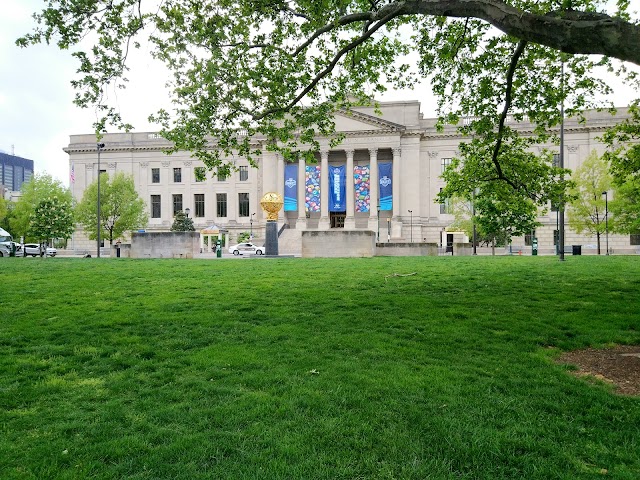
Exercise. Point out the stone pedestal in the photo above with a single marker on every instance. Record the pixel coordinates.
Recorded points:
(271, 242)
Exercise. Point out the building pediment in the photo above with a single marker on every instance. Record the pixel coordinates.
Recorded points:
(352, 121)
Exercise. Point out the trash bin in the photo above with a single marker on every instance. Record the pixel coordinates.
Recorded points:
(577, 249)
(219, 249)
(534, 247)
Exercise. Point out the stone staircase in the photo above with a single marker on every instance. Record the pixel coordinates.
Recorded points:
(290, 242)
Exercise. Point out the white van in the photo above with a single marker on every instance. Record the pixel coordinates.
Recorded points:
(6, 243)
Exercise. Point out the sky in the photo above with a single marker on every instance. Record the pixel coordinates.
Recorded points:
(37, 114)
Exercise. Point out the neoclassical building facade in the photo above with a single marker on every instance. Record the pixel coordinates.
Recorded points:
(393, 160)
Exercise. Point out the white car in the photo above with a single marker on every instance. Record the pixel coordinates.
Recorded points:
(33, 249)
(242, 248)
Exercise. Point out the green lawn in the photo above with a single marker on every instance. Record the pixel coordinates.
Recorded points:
(313, 368)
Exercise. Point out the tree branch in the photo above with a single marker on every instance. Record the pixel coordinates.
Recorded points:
(507, 104)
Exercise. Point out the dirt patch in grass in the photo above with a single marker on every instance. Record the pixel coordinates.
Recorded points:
(618, 365)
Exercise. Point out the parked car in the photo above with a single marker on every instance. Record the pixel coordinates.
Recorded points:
(242, 248)
(34, 250)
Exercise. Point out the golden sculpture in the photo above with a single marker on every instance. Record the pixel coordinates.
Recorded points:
(271, 203)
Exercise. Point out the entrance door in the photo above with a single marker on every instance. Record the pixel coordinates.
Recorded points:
(449, 243)
(337, 219)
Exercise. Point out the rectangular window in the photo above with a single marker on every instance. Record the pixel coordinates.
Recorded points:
(222, 177)
(244, 173)
(198, 201)
(556, 160)
(155, 176)
(528, 238)
(177, 175)
(445, 208)
(556, 237)
(177, 203)
(156, 211)
(444, 164)
(243, 204)
(634, 239)
(221, 204)
(200, 174)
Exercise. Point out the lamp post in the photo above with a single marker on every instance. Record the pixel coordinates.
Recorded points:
(473, 214)
(561, 205)
(411, 225)
(606, 218)
(99, 146)
(251, 226)
(378, 234)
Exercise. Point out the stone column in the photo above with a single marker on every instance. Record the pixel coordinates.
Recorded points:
(280, 185)
(301, 222)
(374, 188)
(396, 183)
(350, 220)
(324, 223)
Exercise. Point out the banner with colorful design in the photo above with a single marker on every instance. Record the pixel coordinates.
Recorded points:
(312, 188)
(337, 189)
(386, 185)
(361, 184)
(291, 187)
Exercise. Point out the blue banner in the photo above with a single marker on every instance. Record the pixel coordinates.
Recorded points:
(291, 187)
(386, 185)
(337, 189)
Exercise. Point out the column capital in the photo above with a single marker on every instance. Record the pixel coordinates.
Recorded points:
(324, 154)
(373, 151)
(349, 152)
(396, 151)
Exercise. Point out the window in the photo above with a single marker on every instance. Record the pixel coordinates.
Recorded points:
(528, 238)
(556, 237)
(243, 204)
(445, 162)
(222, 176)
(8, 176)
(445, 208)
(221, 204)
(155, 175)
(634, 238)
(156, 211)
(198, 201)
(200, 174)
(244, 173)
(177, 175)
(177, 203)
(556, 159)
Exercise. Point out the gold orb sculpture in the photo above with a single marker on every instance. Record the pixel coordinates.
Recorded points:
(271, 203)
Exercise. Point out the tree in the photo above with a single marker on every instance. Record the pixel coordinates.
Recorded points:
(586, 212)
(40, 188)
(52, 218)
(281, 68)
(182, 223)
(121, 209)
(625, 206)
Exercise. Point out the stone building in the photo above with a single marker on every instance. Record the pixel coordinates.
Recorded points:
(399, 152)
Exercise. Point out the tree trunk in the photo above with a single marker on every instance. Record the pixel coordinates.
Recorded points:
(598, 238)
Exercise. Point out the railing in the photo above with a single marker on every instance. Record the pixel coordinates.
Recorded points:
(282, 228)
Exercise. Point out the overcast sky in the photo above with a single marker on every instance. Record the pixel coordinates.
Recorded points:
(37, 114)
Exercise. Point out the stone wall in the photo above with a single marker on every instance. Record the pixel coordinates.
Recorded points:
(406, 249)
(165, 244)
(343, 243)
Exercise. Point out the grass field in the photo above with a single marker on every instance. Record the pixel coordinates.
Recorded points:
(314, 368)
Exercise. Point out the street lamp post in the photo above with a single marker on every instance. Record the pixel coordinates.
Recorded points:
(475, 233)
(251, 226)
(606, 218)
(378, 234)
(411, 225)
(99, 146)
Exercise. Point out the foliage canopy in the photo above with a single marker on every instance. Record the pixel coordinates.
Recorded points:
(121, 209)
